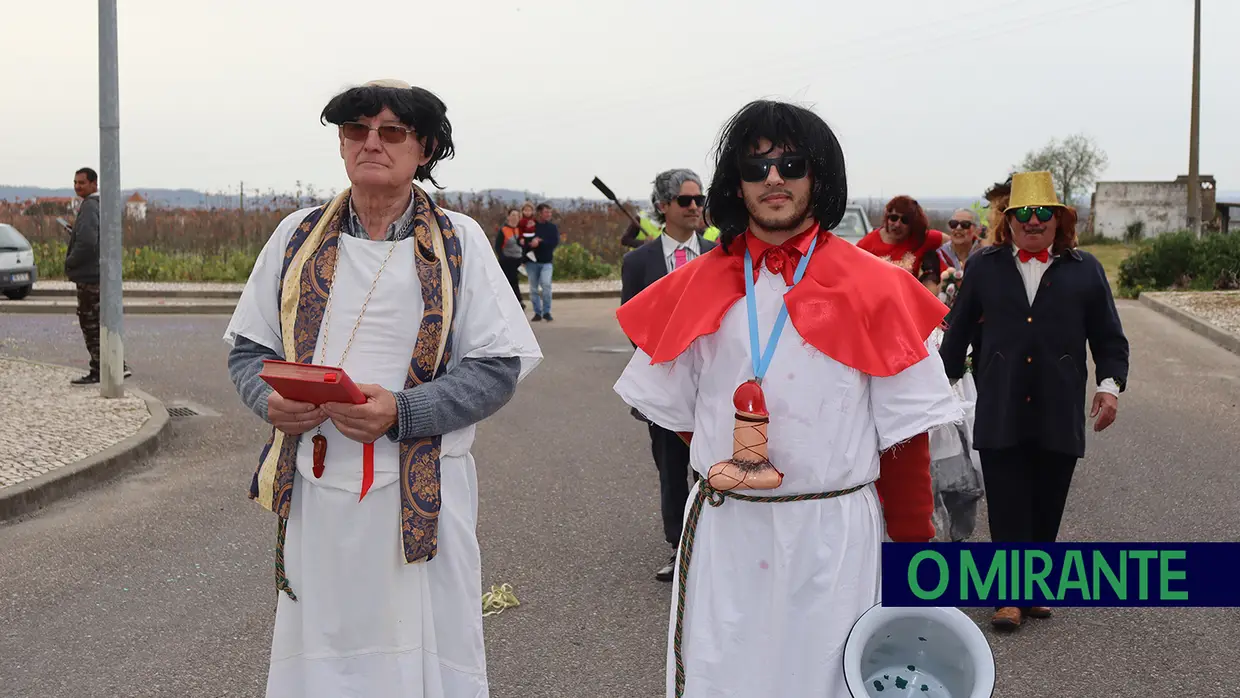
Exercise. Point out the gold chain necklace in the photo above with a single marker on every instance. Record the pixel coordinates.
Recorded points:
(320, 441)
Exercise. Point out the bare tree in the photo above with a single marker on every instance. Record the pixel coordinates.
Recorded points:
(1074, 162)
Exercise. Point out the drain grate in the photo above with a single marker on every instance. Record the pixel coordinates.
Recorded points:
(176, 412)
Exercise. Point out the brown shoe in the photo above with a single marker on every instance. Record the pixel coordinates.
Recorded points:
(1038, 612)
(1007, 618)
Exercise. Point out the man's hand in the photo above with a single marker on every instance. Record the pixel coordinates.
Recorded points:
(292, 417)
(367, 422)
(1105, 407)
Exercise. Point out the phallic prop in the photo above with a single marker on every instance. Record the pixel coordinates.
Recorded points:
(320, 454)
(749, 468)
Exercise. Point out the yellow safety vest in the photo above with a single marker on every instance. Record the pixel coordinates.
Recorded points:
(647, 230)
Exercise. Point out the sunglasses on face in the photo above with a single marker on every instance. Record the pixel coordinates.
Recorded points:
(389, 133)
(684, 200)
(1025, 213)
(897, 218)
(789, 166)
(963, 225)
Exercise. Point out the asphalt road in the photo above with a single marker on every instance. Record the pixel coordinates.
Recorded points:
(160, 584)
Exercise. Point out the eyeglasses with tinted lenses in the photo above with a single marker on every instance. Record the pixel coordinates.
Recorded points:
(389, 133)
(963, 225)
(896, 218)
(684, 200)
(789, 166)
(1025, 213)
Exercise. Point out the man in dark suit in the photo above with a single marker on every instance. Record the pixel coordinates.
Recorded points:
(1040, 301)
(678, 202)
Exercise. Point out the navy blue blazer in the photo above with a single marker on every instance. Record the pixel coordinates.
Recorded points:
(1029, 361)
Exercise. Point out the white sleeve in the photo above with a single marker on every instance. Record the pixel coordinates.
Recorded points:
(489, 319)
(257, 315)
(665, 393)
(914, 401)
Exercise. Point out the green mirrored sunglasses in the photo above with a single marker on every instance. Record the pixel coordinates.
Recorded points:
(1025, 213)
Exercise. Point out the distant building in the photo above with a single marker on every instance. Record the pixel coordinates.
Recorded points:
(1153, 207)
(135, 207)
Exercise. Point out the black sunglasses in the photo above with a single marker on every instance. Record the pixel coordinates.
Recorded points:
(895, 217)
(683, 200)
(1025, 213)
(789, 166)
(963, 225)
(389, 133)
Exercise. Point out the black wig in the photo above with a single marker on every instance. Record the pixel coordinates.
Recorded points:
(417, 108)
(784, 125)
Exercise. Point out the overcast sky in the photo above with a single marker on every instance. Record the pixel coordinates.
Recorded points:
(928, 98)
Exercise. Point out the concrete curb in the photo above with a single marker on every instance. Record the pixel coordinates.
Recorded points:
(206, 307)
(191, 305)
(52, 294)
(1223, 338)
(36, 493)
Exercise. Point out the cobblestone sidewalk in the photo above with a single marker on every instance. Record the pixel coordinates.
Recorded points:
(1219, 308)
(46, 423)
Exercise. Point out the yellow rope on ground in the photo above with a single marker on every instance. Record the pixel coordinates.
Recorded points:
(498, 599)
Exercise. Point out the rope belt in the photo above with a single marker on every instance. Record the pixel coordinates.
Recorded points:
(715, 497)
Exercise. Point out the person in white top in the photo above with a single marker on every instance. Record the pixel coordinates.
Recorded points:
(1029, 305)
(678, 201)
(809, 446)
(377, 503)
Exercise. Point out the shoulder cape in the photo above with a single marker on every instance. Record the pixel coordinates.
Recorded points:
(852, 306)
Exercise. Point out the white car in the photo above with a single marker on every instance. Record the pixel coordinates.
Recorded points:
(854, 226)
(17, 268)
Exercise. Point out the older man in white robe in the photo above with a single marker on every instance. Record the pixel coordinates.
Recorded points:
(377, 555)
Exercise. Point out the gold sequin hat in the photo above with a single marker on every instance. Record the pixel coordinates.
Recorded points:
(1032, 189)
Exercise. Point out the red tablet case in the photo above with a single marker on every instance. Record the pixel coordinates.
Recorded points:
(311, 383)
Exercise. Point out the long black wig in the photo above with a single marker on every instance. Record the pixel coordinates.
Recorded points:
(417, 108)
(788, 126)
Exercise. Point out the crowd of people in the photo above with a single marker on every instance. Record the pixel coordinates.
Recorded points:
(798, 473)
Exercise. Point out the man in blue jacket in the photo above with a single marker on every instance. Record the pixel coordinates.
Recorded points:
(543, 244)
(1029, 305)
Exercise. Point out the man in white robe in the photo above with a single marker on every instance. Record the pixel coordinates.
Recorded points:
(378, 557)
(774, 587)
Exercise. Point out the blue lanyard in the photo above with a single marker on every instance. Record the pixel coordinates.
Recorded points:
(761, 362)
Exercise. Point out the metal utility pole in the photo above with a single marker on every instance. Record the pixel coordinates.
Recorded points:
(1194, 183)
(111, 209)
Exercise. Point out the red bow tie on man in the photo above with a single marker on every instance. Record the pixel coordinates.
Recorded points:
(1026, 255)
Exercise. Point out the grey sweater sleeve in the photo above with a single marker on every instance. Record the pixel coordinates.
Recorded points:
(468, 394)
(465, 395)
(245, 362)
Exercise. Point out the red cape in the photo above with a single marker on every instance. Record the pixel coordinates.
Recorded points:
(863, 312)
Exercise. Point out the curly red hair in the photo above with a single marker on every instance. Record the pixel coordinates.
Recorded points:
(919, 223)
(1065, 234)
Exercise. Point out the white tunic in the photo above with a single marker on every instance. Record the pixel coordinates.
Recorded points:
(365, 623)
(773, 589)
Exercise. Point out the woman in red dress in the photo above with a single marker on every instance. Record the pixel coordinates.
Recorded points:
(905, 239)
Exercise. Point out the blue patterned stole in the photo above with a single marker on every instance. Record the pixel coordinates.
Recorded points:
(306, 279)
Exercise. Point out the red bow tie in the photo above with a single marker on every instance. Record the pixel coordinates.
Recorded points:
(781, 259)
(1042, 256)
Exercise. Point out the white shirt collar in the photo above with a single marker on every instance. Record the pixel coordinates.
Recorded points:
(670, 246)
